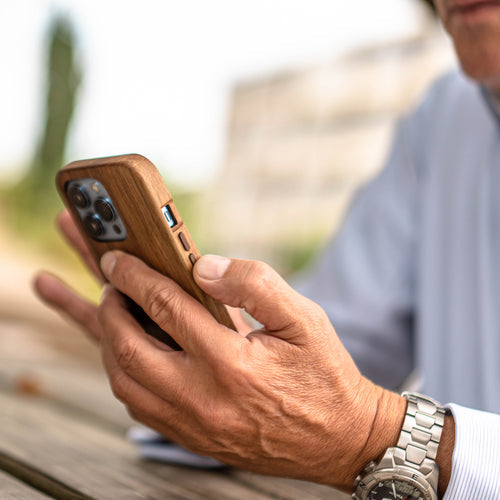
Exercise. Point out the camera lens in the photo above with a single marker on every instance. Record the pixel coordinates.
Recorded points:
(104, 209)
(93, 225)
(78, 196)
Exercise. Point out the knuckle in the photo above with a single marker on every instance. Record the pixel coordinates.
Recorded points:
(261, 271)
(314, 318)
(134, 413)
(120, 386)
(313, 312)
(161, 301)
(262, 277)
(126, 353)
(233, 374)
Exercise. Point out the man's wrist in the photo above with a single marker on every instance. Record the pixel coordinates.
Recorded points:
(445, 454)
(385, 430)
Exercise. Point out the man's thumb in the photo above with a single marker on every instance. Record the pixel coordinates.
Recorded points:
(254, 286)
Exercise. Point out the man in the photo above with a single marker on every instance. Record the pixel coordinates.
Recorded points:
(411, 279)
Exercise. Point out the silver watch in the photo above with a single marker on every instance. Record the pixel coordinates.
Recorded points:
(408, 470)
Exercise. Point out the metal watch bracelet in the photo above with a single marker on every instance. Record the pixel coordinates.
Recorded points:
(419, 439)
(411, 464)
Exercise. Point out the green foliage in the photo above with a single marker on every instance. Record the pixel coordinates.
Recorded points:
(188, 204)
(34, 200)
(293, 257)
(63, 82)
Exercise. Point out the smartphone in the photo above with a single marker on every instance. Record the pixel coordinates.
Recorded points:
(122, 203)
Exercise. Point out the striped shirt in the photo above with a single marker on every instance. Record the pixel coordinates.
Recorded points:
(412, 280)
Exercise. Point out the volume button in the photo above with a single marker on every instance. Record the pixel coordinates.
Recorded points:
(185, 242)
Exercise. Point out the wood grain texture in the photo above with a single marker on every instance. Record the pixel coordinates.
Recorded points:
(84, 393)
(13, 489)
(53, 434)
(37, 481)
(72, 430)
(65, 446)
(138, 193)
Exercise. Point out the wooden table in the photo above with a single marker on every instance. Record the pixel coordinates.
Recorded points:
(62, 434)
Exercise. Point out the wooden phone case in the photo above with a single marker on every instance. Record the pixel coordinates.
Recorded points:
(138, 193)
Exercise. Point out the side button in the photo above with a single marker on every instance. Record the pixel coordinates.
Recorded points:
(185, 242)
(192, 258)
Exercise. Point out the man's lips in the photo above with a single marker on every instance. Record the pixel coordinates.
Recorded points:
(465, 6)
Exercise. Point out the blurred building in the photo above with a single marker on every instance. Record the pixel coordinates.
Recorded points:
(301, 142)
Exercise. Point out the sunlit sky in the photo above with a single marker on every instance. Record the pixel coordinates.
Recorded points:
(157, 73)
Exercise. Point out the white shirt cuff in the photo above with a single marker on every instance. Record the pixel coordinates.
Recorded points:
(476, 457)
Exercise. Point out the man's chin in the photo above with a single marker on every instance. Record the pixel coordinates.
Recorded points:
(480, 61)
(484, 75)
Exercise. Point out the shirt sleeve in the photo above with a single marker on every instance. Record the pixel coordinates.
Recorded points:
(364, 277)
(476, 457)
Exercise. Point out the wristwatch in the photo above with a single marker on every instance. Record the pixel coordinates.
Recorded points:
(409, 470)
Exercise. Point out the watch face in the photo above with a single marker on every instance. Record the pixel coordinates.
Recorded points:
(392, 489)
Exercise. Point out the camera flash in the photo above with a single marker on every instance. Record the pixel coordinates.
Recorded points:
(95, 187)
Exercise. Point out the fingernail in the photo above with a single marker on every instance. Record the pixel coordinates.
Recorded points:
(106, 289)
(108, 261)
(212, 267)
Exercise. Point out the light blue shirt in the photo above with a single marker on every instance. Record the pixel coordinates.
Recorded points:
(412, 280)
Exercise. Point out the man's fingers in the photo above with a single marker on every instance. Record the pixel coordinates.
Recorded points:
(59, 296)
(147, 361)
(258, 289)
(141, 403)
(182, 316)
(73, 236)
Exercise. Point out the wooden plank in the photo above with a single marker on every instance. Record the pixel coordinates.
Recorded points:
(57, 364)
(68, 384)
(75, 386)
(51, 427)
(290, 488)
(31, 362)
(14, 489)
(35, 339)
(38, 480)
(100, 463)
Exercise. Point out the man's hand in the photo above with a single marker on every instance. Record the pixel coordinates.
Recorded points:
(61, 297)
(285, 400)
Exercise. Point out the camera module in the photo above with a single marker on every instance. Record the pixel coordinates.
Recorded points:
(78, 196)
(104, 209)
(95, 208)
(93, 225)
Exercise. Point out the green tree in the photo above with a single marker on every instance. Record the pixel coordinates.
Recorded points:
(63, 80)
(35, 195)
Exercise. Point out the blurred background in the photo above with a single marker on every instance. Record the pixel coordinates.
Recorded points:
(263, 117)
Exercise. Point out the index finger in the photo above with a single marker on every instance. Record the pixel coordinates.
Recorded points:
(165, 302)
(72, 235)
